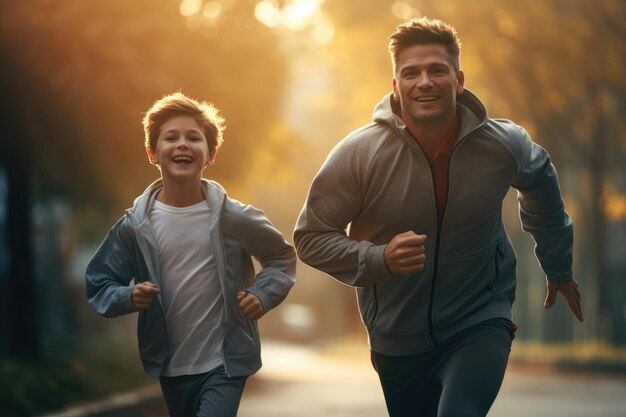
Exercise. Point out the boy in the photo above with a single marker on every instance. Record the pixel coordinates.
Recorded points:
(187, 247)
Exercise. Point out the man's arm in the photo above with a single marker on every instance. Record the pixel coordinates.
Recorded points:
(543, 215)
(335, 198)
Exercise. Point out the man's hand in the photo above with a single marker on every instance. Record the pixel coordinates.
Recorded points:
(405, 253)
(569, 290)
(250, 305)
(143, 293)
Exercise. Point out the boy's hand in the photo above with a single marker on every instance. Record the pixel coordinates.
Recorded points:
(143, 293)
(250, 305)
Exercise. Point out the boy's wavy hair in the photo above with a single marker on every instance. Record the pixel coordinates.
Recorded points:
(424, 31)
(206, 114)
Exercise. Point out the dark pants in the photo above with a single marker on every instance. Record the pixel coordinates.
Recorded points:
(461, 377)
(211, 394)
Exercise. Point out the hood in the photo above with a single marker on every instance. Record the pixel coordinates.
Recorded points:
(387, 111)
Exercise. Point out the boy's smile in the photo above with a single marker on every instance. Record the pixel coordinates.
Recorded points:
(181, 151)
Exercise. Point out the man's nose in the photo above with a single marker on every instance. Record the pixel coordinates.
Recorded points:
(424, 80)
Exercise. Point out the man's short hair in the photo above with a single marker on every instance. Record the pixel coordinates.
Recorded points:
(422, 31)
(206, 114)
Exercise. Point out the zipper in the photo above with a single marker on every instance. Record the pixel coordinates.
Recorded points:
(221, 272)
(431, 326)
(431, 330)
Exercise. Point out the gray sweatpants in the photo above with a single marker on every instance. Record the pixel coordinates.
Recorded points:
(212, 394)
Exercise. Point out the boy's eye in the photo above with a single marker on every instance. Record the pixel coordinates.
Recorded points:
(170, 138)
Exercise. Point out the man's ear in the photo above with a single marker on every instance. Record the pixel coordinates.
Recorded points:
(461, 81)
(396, 92)
(152, 157)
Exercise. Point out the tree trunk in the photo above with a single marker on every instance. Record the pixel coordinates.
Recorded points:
(20, 298)
(597, 221)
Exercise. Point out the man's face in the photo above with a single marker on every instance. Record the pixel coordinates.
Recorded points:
(426, 84)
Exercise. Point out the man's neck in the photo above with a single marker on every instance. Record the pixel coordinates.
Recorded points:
(429, 134)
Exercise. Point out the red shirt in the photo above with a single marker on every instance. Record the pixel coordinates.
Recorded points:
(440, 162)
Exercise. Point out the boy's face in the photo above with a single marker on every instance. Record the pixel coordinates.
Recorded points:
(182, 151)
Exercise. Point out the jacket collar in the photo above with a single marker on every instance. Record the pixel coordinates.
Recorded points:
(213, 192)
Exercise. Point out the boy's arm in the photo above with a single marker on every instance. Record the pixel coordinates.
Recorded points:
(108, 276)
(277, 257)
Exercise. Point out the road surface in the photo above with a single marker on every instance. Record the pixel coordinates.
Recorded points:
(299, 381)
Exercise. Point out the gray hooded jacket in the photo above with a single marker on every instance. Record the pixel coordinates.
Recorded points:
(378, 182)
(129, 252)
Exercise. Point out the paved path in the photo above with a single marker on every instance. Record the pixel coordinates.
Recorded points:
(303, 382)
(298, 382)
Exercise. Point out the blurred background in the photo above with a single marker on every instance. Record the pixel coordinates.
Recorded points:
(291, 77)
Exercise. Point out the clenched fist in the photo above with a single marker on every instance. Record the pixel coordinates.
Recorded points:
(405, 253)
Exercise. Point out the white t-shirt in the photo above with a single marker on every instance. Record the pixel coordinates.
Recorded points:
(190, 288)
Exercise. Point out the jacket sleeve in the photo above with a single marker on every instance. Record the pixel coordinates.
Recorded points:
(109, 274)
(277, 258)
(542, 211)
(334, 200)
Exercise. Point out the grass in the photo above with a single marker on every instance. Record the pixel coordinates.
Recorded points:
(585, 357)
(588, 356)
(69, 373)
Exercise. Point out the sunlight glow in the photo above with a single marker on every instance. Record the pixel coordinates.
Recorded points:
(212, 10)
(324, 33)
(190, 7)
(614, 203)
(296, 15)
(404, 11)
(268, 13)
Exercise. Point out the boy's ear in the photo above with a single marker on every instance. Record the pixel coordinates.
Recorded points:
(152, 157)
(212, 155)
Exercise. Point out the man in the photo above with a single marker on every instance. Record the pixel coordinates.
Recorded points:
(421, 188)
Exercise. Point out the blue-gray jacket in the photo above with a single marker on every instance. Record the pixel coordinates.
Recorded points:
(380, 183)
(240, 231)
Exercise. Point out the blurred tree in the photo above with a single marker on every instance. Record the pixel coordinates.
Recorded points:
(564, 81)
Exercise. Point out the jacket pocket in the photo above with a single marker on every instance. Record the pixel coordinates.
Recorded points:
(503, 281)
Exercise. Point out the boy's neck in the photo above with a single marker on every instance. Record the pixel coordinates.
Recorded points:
(180, 195)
